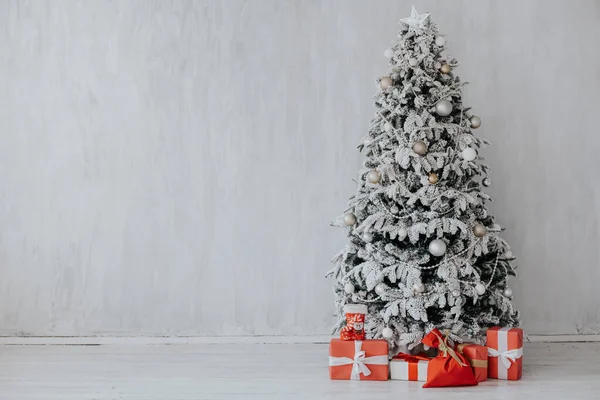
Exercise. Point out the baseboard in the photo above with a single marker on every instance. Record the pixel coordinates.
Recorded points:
(191, 340)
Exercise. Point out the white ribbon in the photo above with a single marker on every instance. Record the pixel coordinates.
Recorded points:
(507, 356)
(358, 362)
(504, 355)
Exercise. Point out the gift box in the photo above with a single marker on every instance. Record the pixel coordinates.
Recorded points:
(449, 368)
(404, 367)
(365, 360)
(477, 356)
(505, 353)
(355, 322)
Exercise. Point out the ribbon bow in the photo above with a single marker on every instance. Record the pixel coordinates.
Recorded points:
(359, 362)
(411, 358)
(507, 357)
(443, 346)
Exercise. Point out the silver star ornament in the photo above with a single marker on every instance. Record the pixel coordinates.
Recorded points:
(416, 21)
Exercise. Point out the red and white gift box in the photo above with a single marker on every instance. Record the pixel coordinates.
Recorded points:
(358, 360)
(505, 353)
(404, 367)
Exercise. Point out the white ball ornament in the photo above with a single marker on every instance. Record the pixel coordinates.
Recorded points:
(349, 288)
(468, 154)
(394, 210)
(402, 234)
(509, 254)
(443, 108)
(486, 182)
(367, 237)
(349, 219)
(387, 333)
(413, 62)
(419, 287)
(425, 347)
(480, 288)
(440, 41)
(455, 293)
(385, 82)
(437, 247)
(389, 53)
(374, 176)
(380, 289)
(387, 127)
(508, 292)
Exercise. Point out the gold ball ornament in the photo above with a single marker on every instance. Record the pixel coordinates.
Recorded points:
(349, 219)
(433, 178)
(479, 230)
(445, 69)
(385, 82)
(475, 122)
(420, 148)
(374, 176)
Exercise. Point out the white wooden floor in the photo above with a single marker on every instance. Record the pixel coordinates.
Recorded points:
(268, 371)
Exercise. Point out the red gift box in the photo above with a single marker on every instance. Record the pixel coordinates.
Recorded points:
(478, 358)
(365, 360)
(449, 368)
(505, 352)
(355, 322)
(405, 367)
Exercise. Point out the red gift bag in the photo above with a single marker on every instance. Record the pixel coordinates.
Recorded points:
(448, 368)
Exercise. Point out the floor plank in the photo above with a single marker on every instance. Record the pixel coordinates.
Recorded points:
(268, 371)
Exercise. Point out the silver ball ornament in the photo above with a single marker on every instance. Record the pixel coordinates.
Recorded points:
(443, 108)
(508, 292)
(420, 148)
(468, 154)
(385, 82)
(419, 287)
(402, 234)
(475, 122)
(349, 288)
(394, 210)
(387, 127)
(349, 219)
(456, 293)
(389, 53)
(480, 288)
(374, 176)
(367, 237)
(486, 182)
(413, 62)
(387, 333)
(440, 41)
(380, 289)
(479, 230)
(437, 247)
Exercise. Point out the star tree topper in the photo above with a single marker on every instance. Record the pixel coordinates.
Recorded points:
(416, 21)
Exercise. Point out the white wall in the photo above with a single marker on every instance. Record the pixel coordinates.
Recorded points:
(171, 167)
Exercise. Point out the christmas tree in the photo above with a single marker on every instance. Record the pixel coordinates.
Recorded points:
(423, 252)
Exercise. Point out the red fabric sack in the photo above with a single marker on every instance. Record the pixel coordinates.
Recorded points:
(449, 368)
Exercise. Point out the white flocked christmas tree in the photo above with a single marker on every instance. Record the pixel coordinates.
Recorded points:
(423, 252)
